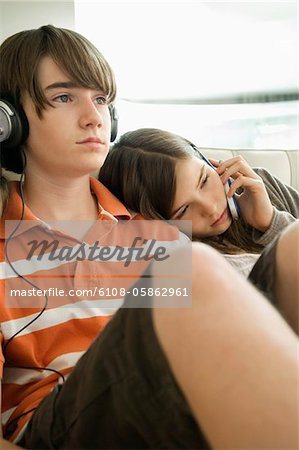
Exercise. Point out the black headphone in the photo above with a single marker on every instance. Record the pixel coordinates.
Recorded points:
(114, 122)
(14, 127)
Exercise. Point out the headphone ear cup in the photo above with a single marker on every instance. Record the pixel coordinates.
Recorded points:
(114, 122)
(14, 125)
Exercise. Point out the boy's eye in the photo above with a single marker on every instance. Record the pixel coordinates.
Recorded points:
(101, 100)
(64, 98)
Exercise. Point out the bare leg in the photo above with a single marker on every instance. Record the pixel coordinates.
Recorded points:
(234, 357)
(287, 275)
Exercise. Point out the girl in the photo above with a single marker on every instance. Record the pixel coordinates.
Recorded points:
(164, 176)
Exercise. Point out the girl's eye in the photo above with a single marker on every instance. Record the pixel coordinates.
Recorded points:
(204, 181)
(64, 98)
(183, 212)
(101, 100)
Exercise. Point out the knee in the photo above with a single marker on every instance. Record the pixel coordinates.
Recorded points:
(209, 277)
(202, 264)
(206, 261)
(211, 273)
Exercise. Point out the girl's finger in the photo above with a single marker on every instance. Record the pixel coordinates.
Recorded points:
(243, 182)
(235, 170)
(233, 165)
(215, 162)
(230, 161)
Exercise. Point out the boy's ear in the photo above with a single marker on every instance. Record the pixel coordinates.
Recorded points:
(14, 127)
(114, 122)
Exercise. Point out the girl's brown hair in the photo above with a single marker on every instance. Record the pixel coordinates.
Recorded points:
(20, 56)
(140, 171)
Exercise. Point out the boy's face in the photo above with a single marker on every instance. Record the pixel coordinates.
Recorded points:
(72, 137)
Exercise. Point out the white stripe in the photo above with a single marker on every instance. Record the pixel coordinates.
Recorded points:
(52, 317)
(23, 376)
(6, 415)
(27, 267)
(21, 432)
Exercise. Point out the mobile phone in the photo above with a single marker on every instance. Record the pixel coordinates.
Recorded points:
(232, 201)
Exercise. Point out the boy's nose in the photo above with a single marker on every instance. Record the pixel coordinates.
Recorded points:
(90, 115)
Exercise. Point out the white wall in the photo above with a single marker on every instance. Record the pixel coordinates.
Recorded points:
(21, 15)
(195, 49)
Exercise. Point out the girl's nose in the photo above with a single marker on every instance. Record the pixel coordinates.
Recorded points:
(207, 207)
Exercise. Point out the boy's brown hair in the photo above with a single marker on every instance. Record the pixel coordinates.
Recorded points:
(20, 56)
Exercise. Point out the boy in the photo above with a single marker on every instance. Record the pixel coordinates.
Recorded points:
(150, 378)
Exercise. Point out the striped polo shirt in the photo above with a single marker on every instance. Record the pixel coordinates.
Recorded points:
(60, 285)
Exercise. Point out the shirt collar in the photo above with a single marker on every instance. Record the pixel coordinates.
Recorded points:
(109, 207)
(108, 203)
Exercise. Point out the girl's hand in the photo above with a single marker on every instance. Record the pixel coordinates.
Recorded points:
(254, 202)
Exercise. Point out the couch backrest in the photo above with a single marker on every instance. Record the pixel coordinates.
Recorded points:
(284, 164)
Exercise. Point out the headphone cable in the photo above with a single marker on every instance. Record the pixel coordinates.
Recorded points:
(7, 241)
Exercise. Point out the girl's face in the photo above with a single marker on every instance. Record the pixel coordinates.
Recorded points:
(200, 197)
